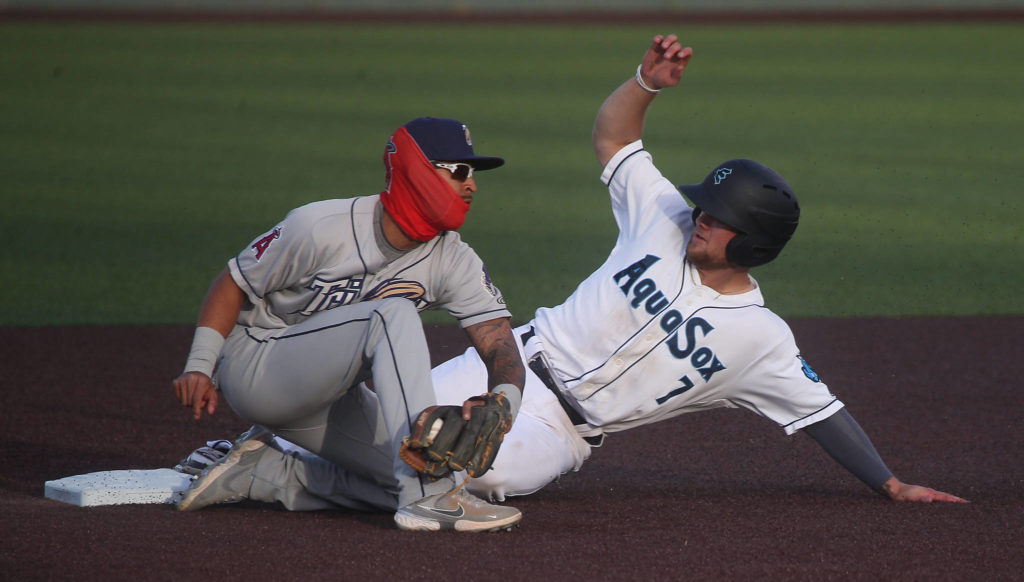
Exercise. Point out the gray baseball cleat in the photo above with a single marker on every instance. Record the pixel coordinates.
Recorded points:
(228, 480)
(456, 510)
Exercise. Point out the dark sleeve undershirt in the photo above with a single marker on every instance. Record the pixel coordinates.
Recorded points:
(846, 442)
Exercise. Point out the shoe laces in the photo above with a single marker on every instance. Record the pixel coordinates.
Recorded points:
(457, 488)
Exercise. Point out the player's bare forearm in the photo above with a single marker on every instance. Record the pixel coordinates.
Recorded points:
(899, 491)
(222, 304)
(620, 121)
(219, 312)
(496, 344)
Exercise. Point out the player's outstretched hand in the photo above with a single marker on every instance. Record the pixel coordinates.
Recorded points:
(899, 491)
(665, 61)
(196, 390)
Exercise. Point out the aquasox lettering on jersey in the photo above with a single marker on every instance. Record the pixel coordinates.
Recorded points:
(645, 293)
(683, 335)
(675, 344)
(701, 350)
(327, 254)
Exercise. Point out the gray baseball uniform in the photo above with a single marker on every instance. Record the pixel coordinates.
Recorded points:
(330, 304)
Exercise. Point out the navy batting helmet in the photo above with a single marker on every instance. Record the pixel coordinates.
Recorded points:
(754, 200)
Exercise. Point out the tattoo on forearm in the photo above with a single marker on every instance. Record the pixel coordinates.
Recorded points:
(495, 343)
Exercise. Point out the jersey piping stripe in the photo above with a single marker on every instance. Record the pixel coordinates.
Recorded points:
(471, 315)
(387, 336)
(682, 285)
(627, 341)
(302, 333)
(659, 343)
(436, 241)
(352, 223)
(407, 428)
(352, 218)
(238, 267)
(612, 177)
(830, 403)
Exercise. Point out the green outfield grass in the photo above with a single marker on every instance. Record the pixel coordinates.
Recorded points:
(136, 159)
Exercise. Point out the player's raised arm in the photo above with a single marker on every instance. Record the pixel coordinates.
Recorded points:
(620, 121)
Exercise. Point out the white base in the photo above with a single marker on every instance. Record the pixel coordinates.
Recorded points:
(119, 487)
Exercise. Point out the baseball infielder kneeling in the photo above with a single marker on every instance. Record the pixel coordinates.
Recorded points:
(328, 299)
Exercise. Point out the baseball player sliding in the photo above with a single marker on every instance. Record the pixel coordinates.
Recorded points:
(671, 323)
(329, 298)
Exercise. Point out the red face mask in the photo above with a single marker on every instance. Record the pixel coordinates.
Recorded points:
(415, 195)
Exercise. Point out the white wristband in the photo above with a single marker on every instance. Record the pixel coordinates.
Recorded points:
(206, 346)
(512, 393)
(640, 81)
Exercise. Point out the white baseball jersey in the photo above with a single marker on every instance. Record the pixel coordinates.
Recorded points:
(641, 339)
(328, 253)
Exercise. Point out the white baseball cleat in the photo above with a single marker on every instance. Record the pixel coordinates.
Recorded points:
(456, 510)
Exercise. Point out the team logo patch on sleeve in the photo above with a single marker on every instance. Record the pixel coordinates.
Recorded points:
(259, 247)
(807, 370)
(485, 280)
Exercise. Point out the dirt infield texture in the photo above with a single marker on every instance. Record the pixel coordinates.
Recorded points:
(720, 495)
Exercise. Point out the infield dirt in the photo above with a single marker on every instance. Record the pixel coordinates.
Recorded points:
(716, 495)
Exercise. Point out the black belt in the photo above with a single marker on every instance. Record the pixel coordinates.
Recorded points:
(527, 335)
(536, 364)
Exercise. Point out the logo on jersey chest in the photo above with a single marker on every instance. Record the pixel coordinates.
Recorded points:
(411, 290)
(682, 342)
(331, 294)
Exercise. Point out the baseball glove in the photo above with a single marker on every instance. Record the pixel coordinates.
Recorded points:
(442, 442)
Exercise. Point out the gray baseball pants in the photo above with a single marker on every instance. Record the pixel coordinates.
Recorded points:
(298, 381)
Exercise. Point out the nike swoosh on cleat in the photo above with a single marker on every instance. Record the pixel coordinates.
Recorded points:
(447, 512)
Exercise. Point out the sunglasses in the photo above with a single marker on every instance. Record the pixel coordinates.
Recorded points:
(460, 170)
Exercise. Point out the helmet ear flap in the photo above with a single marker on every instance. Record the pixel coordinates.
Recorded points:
(744, 250)
(739, 250)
